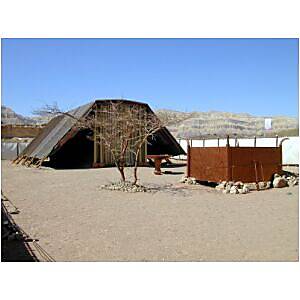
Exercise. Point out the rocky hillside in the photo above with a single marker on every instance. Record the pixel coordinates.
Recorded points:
(213, 123)
(8, 116)
(195, 124)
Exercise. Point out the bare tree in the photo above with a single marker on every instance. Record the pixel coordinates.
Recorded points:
(122, 129)
(149, 125)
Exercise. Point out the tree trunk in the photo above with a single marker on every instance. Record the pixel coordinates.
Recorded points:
(122, 162)
(121, 170)
(135, 169)
(135, 175)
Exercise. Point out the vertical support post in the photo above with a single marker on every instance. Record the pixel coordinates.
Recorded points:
(262, 171)
(227, 143)
(255, 141)
(218, 142)
(229, 164)
(276, 140)
(280, 165)
(203, 142)
(188, 160)
(256, 175)
(17, 149)
(95, 137)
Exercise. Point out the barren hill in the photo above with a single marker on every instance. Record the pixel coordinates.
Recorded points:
(221, 124)
(196, 124)
(8, 116)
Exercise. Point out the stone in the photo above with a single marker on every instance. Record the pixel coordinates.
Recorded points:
(238, 183)
(220, 187)
(183, 179)
(245, 190)
(293, 181)
(263, 185)
(226, 191)
(251, 186)
(276, 175)
(227, 188)
(191, 180)
(279, 182)
(240, 191)
(234, 190)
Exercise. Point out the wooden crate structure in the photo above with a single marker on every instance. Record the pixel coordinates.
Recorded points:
(246, 164)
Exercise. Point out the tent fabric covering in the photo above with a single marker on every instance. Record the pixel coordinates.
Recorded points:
(57, 128)
(49, 141)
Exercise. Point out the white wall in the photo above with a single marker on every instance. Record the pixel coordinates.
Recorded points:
(290, 147)
(11, 150)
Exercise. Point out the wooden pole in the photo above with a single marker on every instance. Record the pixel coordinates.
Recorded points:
(188, 160)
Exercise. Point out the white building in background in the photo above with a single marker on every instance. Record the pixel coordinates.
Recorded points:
(268, 124)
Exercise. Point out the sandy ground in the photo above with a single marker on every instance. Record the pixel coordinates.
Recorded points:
(76, 221)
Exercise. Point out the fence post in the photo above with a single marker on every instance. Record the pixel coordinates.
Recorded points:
(188, 160)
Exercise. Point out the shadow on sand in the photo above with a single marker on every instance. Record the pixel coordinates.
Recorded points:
(14, 248)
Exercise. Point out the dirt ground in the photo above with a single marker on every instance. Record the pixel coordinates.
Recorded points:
(76, 221)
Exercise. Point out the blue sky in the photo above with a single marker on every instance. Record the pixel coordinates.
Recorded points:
(257, 76)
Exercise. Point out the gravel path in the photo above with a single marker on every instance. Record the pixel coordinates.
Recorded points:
(76, 221)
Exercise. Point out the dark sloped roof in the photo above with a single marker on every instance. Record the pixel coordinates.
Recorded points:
(163, 142)
(49, 139)
(56, 129)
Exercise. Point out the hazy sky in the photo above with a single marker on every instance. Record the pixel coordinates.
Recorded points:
(258, 76)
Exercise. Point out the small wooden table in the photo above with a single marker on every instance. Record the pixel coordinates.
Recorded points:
(157, 162)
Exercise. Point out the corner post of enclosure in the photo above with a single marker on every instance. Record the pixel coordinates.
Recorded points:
(188, 159)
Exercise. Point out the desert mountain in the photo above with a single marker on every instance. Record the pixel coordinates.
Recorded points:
(8, 116)
(195, 124)
(214, 123)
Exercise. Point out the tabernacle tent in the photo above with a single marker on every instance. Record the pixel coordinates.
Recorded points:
(61, 144)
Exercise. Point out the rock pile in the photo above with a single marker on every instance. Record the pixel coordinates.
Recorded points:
(124, 187)
(230, 187)
(238, 187)
(285, 180)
